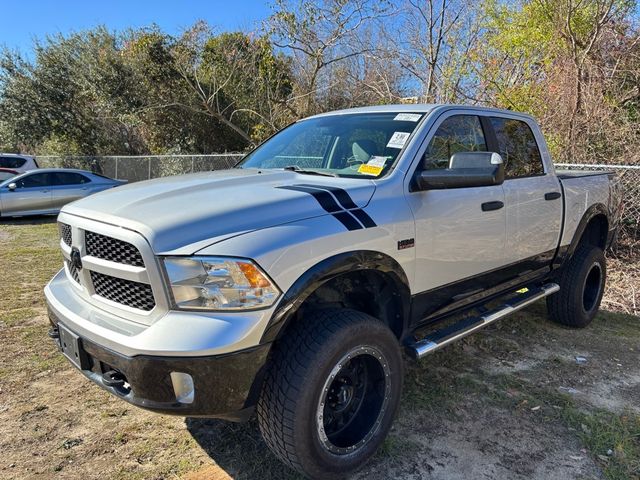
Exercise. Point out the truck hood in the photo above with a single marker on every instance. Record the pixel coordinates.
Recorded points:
(183, 214)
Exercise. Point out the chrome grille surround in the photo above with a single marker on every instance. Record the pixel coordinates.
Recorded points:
(118, 290)
(112, 249)
(134, 292)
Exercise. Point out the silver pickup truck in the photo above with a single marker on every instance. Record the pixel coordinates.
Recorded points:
(292, 284)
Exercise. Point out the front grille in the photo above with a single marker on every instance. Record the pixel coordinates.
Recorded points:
(112, 249)
(132, 294)
(65, 232)
(74, 271)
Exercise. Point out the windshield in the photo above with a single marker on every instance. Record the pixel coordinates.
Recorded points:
(351, 145)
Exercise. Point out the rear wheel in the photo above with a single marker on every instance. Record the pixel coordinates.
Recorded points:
(582, 283)
(331, 392)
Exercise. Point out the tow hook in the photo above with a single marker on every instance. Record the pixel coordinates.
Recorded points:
(113, 378)
(54, 333)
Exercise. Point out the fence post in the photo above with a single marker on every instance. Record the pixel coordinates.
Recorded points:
(149, 173)
(116, 175)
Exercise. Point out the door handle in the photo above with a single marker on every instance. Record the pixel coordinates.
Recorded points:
(488, 206)
(552, 195)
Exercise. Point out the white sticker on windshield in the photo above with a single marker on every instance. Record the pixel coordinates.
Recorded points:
(398, 139)
(376, 161)
(408, 117)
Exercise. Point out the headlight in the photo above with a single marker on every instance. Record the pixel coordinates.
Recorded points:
(218, 283)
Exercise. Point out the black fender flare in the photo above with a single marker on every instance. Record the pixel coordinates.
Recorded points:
(594, 210)
(328, 269)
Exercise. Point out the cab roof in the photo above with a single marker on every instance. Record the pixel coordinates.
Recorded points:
(417, 108)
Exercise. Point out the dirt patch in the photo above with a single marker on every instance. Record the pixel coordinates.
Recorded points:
(481, 442)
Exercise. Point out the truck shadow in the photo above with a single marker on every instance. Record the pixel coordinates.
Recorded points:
(237, 448)
(31, 220)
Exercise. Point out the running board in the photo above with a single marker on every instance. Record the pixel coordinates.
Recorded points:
(440, 338)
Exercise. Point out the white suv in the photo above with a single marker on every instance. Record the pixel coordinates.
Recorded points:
(19, 163)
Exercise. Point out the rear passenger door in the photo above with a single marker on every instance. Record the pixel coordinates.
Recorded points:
(67, 187)
(532, 196)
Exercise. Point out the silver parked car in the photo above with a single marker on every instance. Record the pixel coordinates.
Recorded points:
(45, 191)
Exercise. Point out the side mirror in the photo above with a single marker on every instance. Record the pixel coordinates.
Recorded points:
(12, 186)
(466, 169)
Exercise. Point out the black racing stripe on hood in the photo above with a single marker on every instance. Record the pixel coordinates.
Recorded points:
(343, 197)
(347, 203)
(347, 220)
(327, 202)
(348, 213)
(364, 218)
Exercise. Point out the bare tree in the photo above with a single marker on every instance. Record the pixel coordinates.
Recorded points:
(434, 44)
(568, 15)
(322, 38)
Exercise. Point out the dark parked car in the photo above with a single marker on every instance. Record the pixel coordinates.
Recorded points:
(45, 191)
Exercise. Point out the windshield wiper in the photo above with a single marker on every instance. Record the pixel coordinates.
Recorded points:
(297, 169)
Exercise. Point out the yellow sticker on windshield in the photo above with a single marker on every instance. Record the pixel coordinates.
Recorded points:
(370, 169)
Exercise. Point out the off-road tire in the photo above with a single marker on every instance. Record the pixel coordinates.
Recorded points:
(302, 365)
(582, 283)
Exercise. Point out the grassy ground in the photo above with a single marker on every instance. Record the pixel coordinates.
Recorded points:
(510, 402)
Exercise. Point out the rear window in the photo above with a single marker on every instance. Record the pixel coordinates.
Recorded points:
(518, 148)
(12, 162)
(68, 178)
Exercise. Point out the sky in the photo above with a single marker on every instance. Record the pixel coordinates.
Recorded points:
(21, 21)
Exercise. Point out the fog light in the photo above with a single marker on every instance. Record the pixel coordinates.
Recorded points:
(183, 387)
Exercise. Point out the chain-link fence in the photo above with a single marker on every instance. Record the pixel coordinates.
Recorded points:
(630, 177)
(136, 168)
(143, 167)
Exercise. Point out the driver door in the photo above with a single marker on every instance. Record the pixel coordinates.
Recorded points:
(31, 195)
(460, 232)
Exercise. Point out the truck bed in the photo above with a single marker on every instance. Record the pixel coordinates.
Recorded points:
(584, 189)
(567, 174)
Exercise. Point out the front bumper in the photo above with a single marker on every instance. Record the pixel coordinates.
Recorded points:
(224, 362)
(225, 386)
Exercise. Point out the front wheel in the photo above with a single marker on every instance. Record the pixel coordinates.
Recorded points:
(582, 283)
(331, 392)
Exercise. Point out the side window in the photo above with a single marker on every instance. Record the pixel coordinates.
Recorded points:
(518, 148)
(33, 181)
(458, 133)
(67, 178)
(12, 162)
